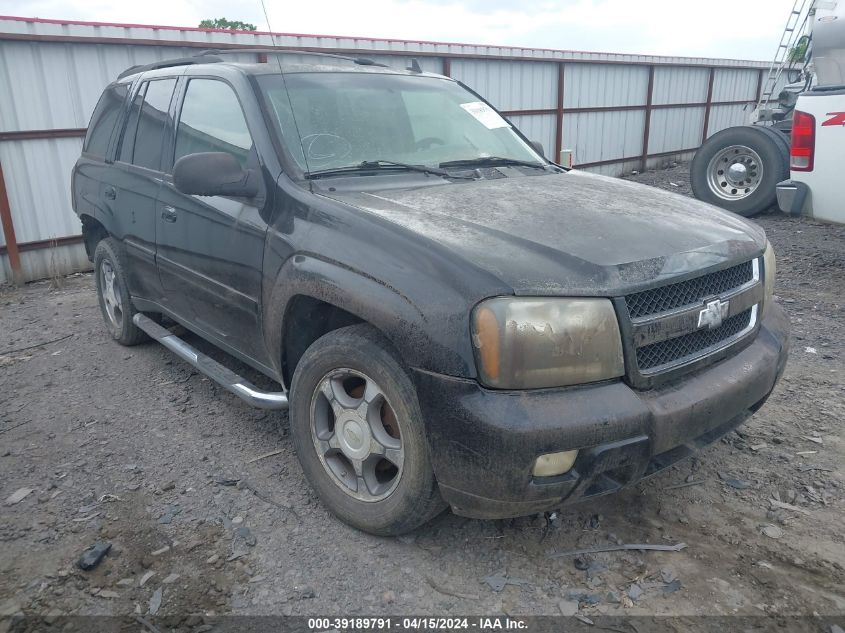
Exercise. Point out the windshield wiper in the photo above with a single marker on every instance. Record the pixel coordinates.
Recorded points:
(371, 165)
(491, 161)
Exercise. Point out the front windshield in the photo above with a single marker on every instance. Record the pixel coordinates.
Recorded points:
(337, 120)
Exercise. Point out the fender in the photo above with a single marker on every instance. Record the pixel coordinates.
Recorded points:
(87, 181)
(421, 343)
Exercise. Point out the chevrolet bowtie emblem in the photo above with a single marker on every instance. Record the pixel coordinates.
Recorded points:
(713, 314)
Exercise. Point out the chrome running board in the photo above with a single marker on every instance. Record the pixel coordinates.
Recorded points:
(226, 378)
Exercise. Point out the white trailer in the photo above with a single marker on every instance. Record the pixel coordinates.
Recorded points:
(817, 152)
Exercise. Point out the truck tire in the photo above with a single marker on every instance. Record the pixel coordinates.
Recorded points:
(113, 294)
(359, 434)
(738, 169)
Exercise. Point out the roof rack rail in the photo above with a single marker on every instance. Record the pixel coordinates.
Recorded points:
(361, 61)
(169, 63)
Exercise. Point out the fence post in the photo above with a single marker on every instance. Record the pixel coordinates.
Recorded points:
(708, 105)
(561, 75)
(9, 233)
(648, 108)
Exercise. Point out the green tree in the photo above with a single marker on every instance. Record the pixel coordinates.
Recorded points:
(223, 23)
(798, 52)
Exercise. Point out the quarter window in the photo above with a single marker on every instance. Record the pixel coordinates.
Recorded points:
(104, 119)
(212, 121)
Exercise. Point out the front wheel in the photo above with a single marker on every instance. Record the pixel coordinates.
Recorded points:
(358, 433)
(739, 168)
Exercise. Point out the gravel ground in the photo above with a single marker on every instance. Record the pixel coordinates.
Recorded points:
(131, 447)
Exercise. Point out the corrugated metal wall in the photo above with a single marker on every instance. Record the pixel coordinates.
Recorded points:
(55, 72)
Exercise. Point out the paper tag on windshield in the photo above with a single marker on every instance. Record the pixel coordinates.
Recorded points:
(485, 115)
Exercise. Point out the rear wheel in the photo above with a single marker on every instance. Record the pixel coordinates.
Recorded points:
(739, 168)
(113, 294)
(359, 434)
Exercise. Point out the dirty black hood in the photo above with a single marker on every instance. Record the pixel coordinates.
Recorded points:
(567, 234)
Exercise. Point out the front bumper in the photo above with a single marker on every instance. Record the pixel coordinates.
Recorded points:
(792, 196)
(484, 442)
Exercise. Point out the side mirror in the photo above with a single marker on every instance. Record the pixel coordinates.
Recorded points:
(537, 146)
(214, 174)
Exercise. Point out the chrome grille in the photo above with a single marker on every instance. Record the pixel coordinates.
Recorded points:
(664, 352)
(688, 292)
(679, 325)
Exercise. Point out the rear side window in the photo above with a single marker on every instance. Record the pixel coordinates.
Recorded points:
(212, 121)
(148, 118)
(104, 119)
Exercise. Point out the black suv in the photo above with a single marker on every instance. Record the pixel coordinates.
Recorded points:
(453, 318)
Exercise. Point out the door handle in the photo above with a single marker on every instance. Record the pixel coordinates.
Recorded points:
(168, 214)
(110, 193)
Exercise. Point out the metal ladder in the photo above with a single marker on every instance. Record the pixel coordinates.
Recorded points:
(796, 24)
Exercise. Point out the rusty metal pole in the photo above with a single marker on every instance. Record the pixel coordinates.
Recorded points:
(708, 106)
(9, 233)
(648, 108)
(559, 116)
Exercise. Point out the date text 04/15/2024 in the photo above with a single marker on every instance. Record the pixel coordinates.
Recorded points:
(416, 623)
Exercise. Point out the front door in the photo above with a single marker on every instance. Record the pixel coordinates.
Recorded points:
(210, 248)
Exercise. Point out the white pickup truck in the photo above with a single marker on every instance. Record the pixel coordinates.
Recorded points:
(816, 187)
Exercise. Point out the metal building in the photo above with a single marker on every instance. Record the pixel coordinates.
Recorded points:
(615, 112)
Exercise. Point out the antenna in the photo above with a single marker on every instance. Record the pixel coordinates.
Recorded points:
(287, 92)
(267, 20)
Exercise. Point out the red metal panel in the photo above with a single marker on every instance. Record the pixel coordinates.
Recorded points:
(11, 247)
(24, 135)
(129, 41)
(366, 39)
(68, 240)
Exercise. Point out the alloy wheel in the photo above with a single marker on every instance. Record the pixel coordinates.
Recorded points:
(356, 435)
(110, 291)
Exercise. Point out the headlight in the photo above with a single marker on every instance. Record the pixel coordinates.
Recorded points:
(769, 272)
(534, 343)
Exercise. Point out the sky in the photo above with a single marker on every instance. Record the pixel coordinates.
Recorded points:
(746, 29)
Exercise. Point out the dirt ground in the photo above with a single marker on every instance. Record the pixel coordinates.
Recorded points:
(131, 447)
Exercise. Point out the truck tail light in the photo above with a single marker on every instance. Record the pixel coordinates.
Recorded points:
(803, 150)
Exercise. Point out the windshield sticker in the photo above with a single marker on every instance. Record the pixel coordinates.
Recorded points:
(485, 115)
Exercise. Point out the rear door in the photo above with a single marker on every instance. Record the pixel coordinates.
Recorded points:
(210, 248)
(92, 172)
(136, 180)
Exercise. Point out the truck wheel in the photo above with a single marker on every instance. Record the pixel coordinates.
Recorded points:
(739, 168)
(359, 435)
(113, 294)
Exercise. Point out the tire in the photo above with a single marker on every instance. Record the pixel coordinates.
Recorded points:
(331, 433)
(746, 146)
(115, 302)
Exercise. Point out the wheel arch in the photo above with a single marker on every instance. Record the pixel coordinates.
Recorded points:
(322, 295)
(306, 319)
(93, 231)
